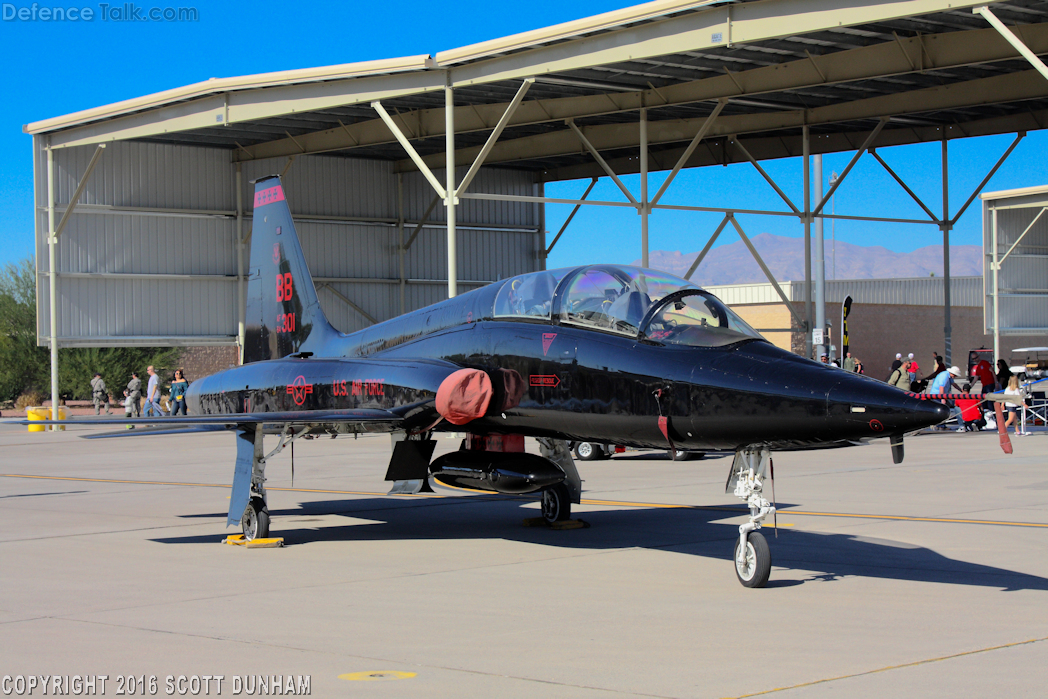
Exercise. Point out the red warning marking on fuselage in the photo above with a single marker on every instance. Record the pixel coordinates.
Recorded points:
(276, 253)
(269, 196)
(876, 426)
(299, 389)
(544, 380)
(547, 340)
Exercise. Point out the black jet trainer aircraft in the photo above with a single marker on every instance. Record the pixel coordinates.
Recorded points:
(602, 353)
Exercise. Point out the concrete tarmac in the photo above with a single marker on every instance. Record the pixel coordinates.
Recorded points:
(924, 579)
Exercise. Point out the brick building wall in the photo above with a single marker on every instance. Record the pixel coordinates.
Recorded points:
(199, 362)
(879, 331)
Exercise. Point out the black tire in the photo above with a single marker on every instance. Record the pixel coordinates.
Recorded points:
(757, 567)
(255, 522)
(556, 504)
(680, 455)
(588, 451)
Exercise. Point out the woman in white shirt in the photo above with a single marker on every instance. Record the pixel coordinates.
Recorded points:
(1013, 389)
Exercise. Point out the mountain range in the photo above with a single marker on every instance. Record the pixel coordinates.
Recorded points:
(733, 264)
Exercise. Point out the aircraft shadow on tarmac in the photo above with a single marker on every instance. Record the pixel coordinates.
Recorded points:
(691, 531)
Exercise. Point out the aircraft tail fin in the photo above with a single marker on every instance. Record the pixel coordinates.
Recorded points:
(283, 314)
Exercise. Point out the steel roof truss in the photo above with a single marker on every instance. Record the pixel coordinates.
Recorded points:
(415, 157)
(898, 57)
(1012, 39)
(496, 132)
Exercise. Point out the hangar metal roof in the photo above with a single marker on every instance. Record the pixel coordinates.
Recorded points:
(931, 67)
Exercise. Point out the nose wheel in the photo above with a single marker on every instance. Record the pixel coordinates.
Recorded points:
(255, 522)
(753, 564)
(556, 503)
(746, 481)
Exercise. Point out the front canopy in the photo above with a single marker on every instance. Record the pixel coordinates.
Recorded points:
(624, 300)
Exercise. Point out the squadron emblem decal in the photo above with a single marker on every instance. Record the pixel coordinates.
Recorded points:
(547, 340)
(299, 389)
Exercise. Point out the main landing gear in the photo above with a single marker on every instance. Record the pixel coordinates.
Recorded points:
(249, 480)
(752, 555)
(255, 522)
(556, 500)
(556, 504)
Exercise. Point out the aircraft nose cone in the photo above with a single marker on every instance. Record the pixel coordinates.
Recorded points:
(867, 405)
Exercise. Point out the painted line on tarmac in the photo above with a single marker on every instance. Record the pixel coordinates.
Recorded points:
(902, 666)
(586, 501)
(207, 485)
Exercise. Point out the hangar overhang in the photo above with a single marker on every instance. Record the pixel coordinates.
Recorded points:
(661, 86)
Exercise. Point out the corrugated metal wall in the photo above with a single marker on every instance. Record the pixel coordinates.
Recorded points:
(132, 273)
(1023, 276)
(920, 291)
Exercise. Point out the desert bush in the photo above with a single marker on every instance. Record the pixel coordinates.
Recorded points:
(30, 399)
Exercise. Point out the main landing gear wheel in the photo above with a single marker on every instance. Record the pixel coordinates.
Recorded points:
(754, 568)
(556, 503)
(255, 522)
(587, 451)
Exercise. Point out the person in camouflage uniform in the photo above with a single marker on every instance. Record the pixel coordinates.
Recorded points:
(100, 395)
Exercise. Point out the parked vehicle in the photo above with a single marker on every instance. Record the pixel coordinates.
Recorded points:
(1030, 363)
(593, 451)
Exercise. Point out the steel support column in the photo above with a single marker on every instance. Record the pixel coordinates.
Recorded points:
(52, 258)
(996, 292)
(52, 282)
(241, 291)
(644, 208)
(820, 264)
(450, 198)
(400, 236)
(806, 155)
(946, 225)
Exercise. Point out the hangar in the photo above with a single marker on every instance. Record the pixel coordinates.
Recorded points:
(416, 176)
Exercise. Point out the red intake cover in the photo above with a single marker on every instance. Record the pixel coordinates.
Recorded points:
(464, 396)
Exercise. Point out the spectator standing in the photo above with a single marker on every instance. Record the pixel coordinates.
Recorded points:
(1004, 373)
(895, 365)
(152, 394)
(939, 366)
(858, 367)
(100, 394)
(134, 392)
(913, 368)
(1013, 410)
(900, 377)
(178, 392)
(944, 383)
(849, 363)
(984, 373)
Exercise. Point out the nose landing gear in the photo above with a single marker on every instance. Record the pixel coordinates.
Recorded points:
(752, 555)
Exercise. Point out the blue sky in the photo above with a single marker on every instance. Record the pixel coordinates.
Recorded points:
(55, 68)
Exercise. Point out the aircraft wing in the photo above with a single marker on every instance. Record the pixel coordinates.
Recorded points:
(370, 420)
(290, 417)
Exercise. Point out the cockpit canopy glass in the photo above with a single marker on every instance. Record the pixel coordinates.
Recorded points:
(697, 319)
(618, 298)
(615, 298)
(529, 295)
